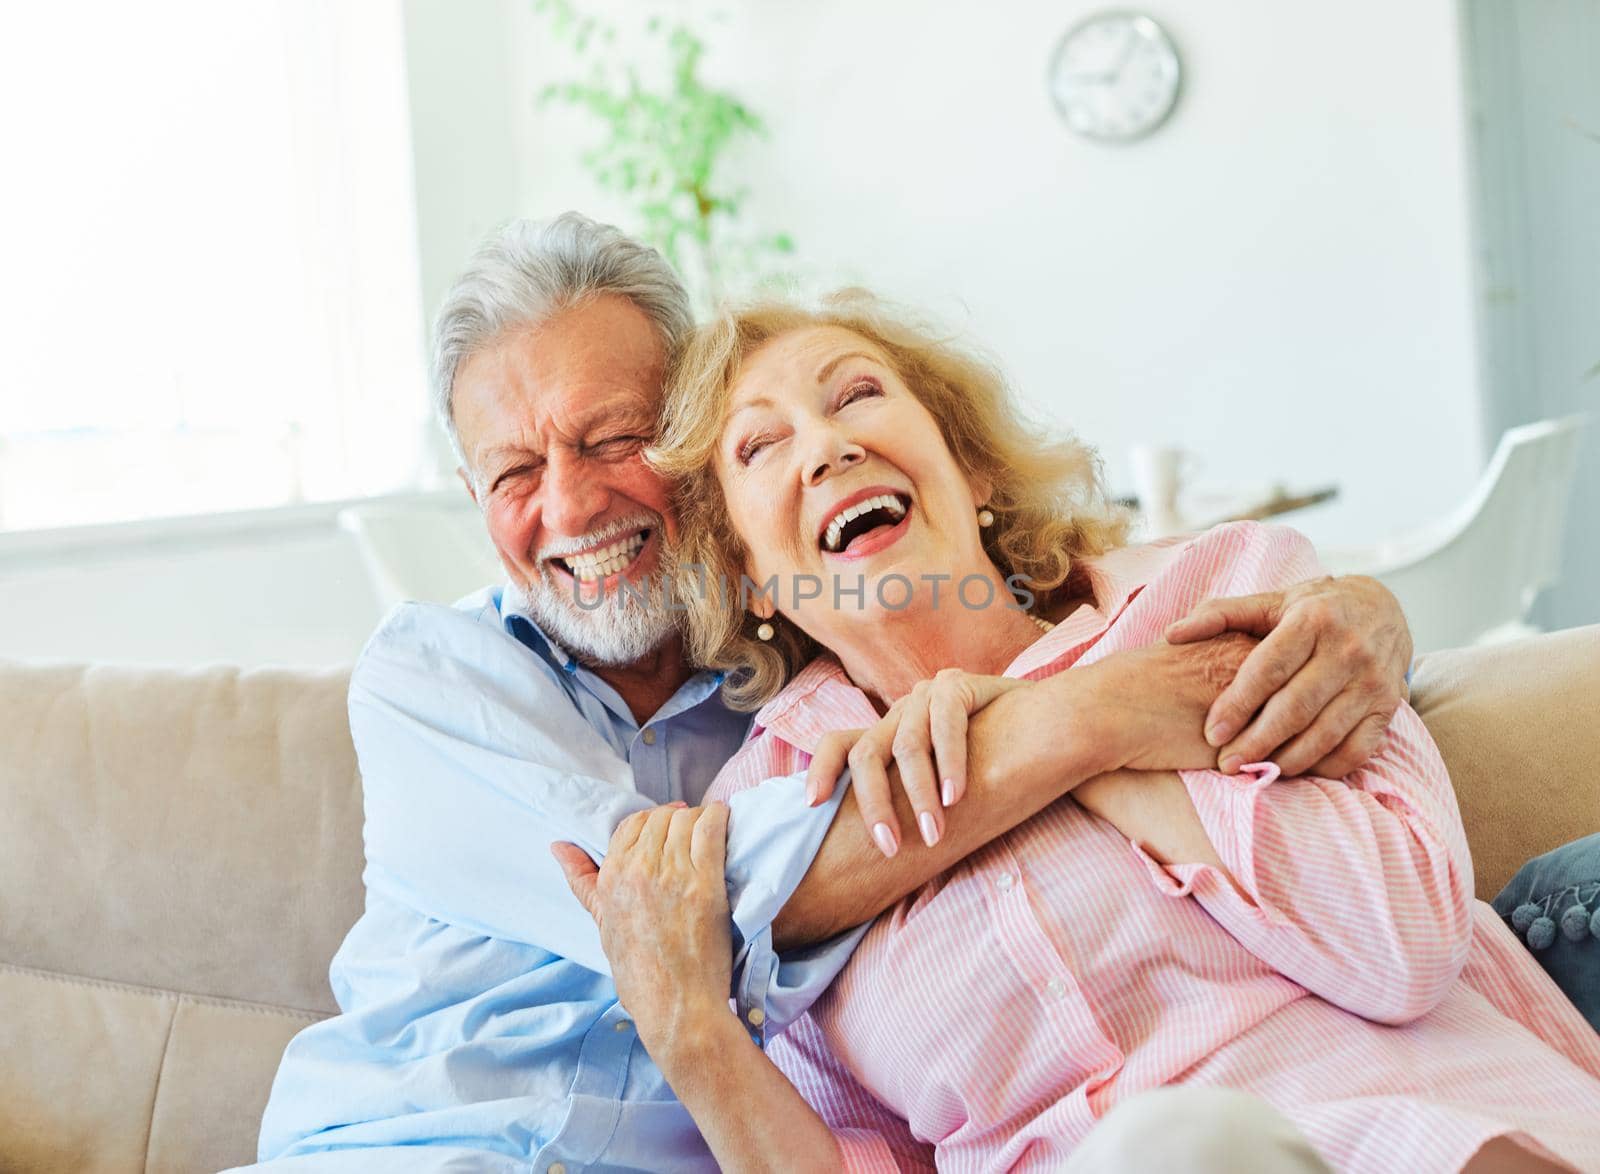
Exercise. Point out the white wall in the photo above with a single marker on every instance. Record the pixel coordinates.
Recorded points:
(178, 593)
(464, 101)
(1531, 71)
(1279, 279)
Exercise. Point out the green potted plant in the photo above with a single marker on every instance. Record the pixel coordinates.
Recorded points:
(665, 148)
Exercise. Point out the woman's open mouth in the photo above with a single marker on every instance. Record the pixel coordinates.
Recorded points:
(867, 525)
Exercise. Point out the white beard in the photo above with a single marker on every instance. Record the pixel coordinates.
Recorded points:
(623, 629)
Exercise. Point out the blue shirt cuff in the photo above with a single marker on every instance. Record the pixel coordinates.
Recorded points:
(773, 838)
(771, 990)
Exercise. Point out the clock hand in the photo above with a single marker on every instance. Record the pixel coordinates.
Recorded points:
(1127, 54)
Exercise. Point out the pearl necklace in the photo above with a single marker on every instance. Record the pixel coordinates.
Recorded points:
(1044, 624)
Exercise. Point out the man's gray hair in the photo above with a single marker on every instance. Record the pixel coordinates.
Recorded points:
(528, 272)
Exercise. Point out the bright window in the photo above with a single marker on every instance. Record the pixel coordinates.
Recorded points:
(210, 290)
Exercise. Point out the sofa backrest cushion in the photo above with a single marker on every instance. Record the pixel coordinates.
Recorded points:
(180, 856)
(196, 831)
(1519, 727)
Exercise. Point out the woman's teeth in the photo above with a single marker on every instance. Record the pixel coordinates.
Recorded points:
(884, 501)
(608, 560)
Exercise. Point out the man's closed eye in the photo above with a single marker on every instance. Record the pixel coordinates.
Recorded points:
(513, 474)
(615, 447)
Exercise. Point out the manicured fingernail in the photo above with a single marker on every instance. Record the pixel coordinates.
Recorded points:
(930, 829)
(887, 844)
(1231, 764)
(1219, 732)
(811, 795)
(947, 792)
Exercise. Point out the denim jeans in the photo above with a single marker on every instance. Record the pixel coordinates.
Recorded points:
(1553, 905)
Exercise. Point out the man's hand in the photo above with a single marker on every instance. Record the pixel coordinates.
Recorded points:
(661, 905)
(1150, 704)
(1322, 685)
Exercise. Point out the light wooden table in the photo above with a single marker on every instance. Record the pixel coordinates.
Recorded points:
(1268, 507)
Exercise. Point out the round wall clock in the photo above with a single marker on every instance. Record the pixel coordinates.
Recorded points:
(1115, 76)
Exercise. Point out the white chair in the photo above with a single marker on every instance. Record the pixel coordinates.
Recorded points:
(435, 552)
(1473, 576)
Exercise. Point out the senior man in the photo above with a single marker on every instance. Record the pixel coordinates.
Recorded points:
(480, 1028)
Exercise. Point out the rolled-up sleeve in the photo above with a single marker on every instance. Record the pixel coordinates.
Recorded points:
(772, 839)
(1358, 889)
(473, 764)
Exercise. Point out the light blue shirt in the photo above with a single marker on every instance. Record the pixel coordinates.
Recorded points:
(480, 1028)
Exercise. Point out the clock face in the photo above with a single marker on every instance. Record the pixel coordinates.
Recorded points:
(1115, 76)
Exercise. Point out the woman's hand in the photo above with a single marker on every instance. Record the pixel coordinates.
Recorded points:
(662, 907)
(925, 735)
(661, 904)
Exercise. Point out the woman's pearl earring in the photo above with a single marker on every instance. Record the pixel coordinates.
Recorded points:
(765, 632)
(985, 517)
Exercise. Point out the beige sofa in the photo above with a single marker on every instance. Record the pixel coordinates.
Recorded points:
(181, 855)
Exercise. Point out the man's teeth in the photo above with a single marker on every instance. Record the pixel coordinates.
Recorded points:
(608, 560)
(884, 501)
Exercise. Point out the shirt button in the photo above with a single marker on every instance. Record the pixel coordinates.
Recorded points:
(1057, 988)
(623, 1025)
(1004, 882)
(649, 737)
(756, 1016)
(556, 1168)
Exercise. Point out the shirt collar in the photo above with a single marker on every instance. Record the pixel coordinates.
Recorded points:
(1113, 580)
(525, 631)
(819, 700)
(522, 628)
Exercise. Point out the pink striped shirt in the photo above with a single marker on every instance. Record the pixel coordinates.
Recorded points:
(990, 1018)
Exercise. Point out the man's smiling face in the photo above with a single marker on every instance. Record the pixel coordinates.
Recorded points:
(553, 422)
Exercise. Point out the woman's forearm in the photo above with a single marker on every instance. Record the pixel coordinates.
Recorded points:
(1025, 750)
(1152, 808)
(749, 1114)
(1029, 747)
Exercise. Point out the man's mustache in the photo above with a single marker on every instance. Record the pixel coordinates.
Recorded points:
(600, 536)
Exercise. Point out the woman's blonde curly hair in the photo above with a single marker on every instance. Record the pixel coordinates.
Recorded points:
(1048, 499)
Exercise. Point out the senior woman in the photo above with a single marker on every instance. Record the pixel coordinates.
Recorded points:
(1313, 942)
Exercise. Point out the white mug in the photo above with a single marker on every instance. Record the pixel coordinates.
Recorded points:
(1159, 473)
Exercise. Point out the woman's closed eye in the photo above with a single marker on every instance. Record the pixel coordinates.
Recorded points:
(752, 447)
(858, 390)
